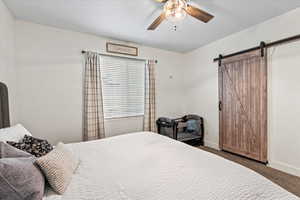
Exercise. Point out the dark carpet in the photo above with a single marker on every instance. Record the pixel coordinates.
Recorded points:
(289, 182)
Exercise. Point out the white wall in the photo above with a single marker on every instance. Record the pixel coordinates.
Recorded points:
(7, 56)
(49, 72)
(284, 109)
(50, 64)
(201, 83)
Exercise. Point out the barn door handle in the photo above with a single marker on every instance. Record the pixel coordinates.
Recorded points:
(220, 105)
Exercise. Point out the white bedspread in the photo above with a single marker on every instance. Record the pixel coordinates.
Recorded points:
(147, 166)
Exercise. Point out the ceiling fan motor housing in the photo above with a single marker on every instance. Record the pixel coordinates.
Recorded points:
(175, 10)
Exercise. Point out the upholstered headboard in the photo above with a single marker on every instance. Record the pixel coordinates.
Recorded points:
(4, 106)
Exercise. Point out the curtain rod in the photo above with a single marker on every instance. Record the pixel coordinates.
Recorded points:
(103, 54)
(265, 45)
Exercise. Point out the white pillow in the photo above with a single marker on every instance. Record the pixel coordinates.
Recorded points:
(14, 133)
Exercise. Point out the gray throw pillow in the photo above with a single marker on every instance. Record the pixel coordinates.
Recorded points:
(21, 179)
(8, 151)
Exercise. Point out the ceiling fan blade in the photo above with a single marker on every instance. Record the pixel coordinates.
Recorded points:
(161, 1)
(157, 22)
(199, 14)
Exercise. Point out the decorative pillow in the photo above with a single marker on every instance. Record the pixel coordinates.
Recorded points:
(21, 179)
(73, 159)
(34, 146)
(8, 151)
(14, 133)
(58, 167)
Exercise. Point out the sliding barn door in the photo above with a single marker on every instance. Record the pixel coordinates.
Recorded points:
(243, 105)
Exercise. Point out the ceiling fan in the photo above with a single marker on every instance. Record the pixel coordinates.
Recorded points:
(176, 10)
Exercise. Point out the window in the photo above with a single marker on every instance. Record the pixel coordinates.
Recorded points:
(123, 86)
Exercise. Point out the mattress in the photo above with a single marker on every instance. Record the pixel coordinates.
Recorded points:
(148, 166)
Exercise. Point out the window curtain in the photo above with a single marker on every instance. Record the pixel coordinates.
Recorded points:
(93, 117)
(150, 95)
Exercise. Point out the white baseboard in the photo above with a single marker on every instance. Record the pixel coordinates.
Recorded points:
(211, 145)
(274, 164)
(285, 168)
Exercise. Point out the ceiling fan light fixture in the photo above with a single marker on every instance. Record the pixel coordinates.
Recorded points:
(175, 10)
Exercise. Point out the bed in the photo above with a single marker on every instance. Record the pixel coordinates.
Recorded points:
(149, 166)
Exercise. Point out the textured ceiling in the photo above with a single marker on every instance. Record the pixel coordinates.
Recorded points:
(128, 20)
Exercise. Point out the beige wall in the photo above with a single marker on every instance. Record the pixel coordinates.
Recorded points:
(201, 83)
(7, 56)
(50, 64)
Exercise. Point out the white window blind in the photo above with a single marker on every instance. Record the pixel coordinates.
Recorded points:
(123, 86)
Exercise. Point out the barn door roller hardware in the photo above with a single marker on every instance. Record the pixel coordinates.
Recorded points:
(262, 47)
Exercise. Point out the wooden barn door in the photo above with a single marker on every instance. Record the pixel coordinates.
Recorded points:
(243, 105)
